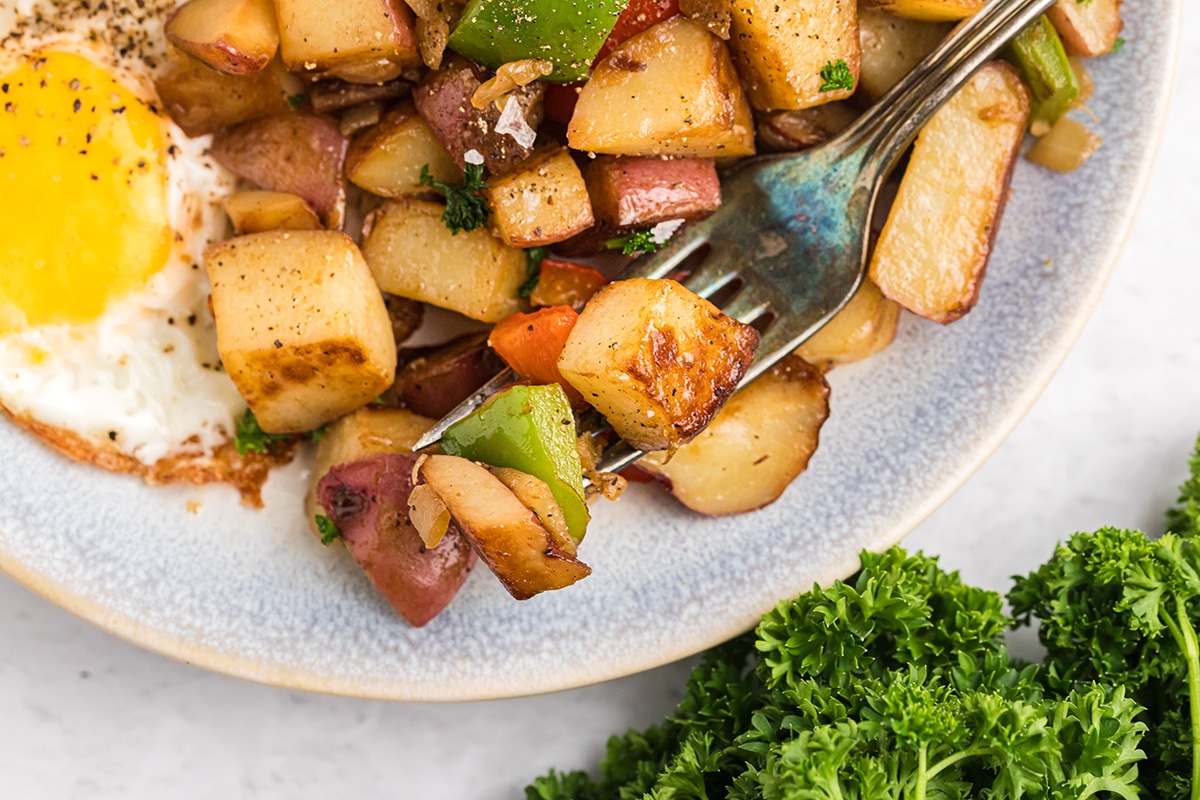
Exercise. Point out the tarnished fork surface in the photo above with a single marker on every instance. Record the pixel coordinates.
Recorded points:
(792, 229)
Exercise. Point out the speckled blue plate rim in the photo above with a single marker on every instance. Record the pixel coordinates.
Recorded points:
(250, 596)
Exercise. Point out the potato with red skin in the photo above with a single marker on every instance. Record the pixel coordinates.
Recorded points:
(300, 154)
(634, 191)
(237, 37)
(439, 378)
(444, 101)
(368, 502)
(506, 534)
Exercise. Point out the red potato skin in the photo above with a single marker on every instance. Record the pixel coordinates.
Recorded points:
(632, 191)
(437, 380)
(368, 501)
(301, 154)
(444, 101)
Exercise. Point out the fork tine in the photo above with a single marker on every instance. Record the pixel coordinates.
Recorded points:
(753, 300)
(463, 409)
(719, 268)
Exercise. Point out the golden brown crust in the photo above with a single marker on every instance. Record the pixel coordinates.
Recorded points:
(245, 473)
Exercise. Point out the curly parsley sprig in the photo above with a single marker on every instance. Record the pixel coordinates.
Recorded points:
(641, 240)
(836, 75)
(466, 209)
(250, 438)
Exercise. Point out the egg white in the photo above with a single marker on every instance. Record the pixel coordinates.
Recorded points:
(144, 379)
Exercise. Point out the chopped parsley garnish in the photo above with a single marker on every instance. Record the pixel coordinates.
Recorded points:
(329, 531)
(534, 256)
(317, 434)
(641, 240)
(836, 75)
(295, 100)
(250, 438)
(1117, 45)
(466, 210)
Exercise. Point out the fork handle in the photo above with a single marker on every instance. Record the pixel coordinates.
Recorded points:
(891, 124)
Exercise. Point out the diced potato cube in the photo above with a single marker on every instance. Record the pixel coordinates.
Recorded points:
(201, 100)
(543, 202)
(757, 445)
(864, 326)
(413, 254)
(656, 360)
(360, 41)
(628, 191)
(253, 212)
(779, 49)
(891, 47)
(365, 432)
(1089, 28)
(670, 90)
(928, 10)
(387, 159)
(301, 327)
(934, 247)
(237, 37)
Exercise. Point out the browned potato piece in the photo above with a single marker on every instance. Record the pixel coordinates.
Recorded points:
(671, 90)
(413, 254)
(789, 131)
(387, 159)
(932, 252)
(656, 360)
(300, 154)
(360, 41)
(367, 500)
(505, 533)
(891, 47)
(758, 443)
(301, 327)
(928, 10)
(628, 191)
(236, 37)
(365, 432)
(406, 316)
(252, 212)
(1089, 28)
(779, 49)
(444, 101)
(543, 202)
(202, 101)
(866, 325)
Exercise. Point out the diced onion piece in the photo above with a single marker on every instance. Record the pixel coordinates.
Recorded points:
(1065, 147)
(535, 495)
(428, 514)
(363, 115)
(1087, 86)
(712, 14)
(512, 122)
(434, 20)
(512, 75)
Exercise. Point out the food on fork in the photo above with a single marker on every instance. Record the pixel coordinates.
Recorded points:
(499, 162)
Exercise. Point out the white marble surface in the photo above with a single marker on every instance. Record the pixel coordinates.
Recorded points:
(85, 715)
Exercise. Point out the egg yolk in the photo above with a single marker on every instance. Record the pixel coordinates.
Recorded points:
(84, 214)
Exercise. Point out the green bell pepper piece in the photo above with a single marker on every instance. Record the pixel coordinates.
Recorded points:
(1038, 53)
(568, 33)
(529, 428)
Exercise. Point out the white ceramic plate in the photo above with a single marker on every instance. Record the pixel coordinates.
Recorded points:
(254, 594)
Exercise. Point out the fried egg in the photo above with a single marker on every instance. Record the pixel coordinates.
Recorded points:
(105, 334)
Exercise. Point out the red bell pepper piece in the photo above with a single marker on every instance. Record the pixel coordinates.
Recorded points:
(531, 344)
(563, 283)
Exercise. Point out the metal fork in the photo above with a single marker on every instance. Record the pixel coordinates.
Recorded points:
(792, 229)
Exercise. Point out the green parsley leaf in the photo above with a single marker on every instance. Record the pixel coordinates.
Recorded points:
(1117, 45)
(329, 531)
(641, 240)
(466, 210)
(317, 434)
(836, 75)
(534, 256)
(250, 438)
(296, 100)
(1185, 520)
